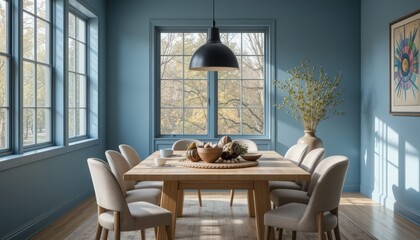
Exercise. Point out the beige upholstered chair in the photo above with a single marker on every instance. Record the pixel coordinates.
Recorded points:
(320, 214)
(119, 166)
(252, 148)
(182, 145)
(296, 153)
(113, 211)
(130, 154)
(308, 164)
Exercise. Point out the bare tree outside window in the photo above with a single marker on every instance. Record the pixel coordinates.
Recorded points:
(4, 75)
(37, 83)
(184, 93)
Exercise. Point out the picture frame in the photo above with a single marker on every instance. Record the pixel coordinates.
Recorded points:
(404, 54)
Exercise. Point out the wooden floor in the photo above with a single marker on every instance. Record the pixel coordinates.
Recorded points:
(364, 219)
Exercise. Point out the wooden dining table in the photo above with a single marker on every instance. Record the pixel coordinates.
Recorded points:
(271, 167)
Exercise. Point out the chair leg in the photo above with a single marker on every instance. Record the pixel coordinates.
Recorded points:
(268, 231)
(199, 197)
(319, 223)
(329, 235)
(99, 229)
(293, 235)
(143, 234)
(156, 233)
(280, 233)
(105, 233)
(336, 229)
(98, 232)
(168, 230)
(232, 193)
(117, 225)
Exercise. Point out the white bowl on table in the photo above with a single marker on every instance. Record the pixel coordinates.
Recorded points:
(159, 161)
(166, 152)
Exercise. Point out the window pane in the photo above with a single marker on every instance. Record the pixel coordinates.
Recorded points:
(28, 126)
(233, 41)
(72, 123)
(195, 93)
(81, 58)
(28, 36)
(43, 9)
(28, 5)
(253, 43)
(253, 121)
(28, 84)
(43, 86)
(82, 122)
(229, 121)
(43, 43)
(192, 41)
(171, 93)
(72, 90)
(72, 25)
(43, 125)
(72, 55)
(4, 82)
(171, 67)
(253, 93)
(253, 67)
(4, 9)
(171, 121)
(81, 87)
(81, 30)
(171, 44)
(195, 121)
(229, 94)
(4, 127)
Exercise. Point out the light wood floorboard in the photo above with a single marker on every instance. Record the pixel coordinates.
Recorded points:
(217, 220)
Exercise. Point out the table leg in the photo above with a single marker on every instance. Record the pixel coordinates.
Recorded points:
(262, 205)
(169, 200)
(251, 205)
(180, 203)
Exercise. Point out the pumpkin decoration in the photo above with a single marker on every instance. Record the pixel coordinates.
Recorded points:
(224, 140)
(192, 153)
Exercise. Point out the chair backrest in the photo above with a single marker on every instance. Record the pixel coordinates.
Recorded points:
(119, 166)
(296, 153)
(309, 163)
(107, 190)
(252, 146)
(327, 184)
(130, 154)
(328, 180)
(183, 144)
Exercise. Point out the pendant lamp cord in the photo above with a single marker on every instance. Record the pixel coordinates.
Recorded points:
(214, 22)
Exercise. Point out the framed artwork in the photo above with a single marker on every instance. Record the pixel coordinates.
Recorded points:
(404, 35)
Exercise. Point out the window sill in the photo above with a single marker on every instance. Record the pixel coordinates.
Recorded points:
(16, 160)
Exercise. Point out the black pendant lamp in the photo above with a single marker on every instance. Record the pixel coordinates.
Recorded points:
(214, 55)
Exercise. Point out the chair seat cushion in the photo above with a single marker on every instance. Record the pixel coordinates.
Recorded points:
(145, 215)
(281, 197)
(150, 195)
(283, 185)
(288, 216)
(149, 184)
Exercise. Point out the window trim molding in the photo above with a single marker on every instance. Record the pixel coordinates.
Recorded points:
(157, 25)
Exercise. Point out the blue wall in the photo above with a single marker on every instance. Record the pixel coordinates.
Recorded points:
(37, 189)
(390, 146)
(327, 31)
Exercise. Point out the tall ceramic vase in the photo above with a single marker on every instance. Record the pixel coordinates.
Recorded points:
(311, 139)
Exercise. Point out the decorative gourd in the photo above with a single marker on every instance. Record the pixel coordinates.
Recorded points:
(224, 140)
(231, 150)
(192, 155)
